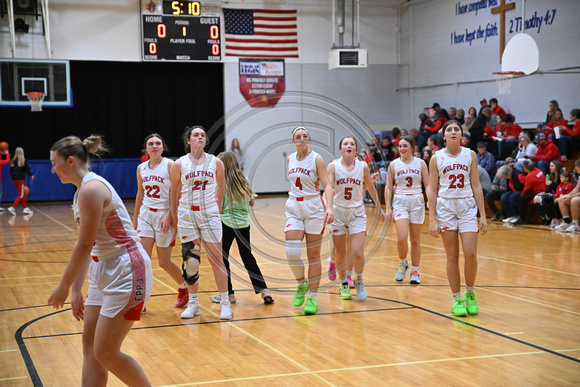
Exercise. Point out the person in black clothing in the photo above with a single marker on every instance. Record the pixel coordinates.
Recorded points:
(515, 190)
(437, 107)
(477, 129)
(19, 168)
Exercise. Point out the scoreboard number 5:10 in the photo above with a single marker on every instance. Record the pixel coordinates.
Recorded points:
(193, 8)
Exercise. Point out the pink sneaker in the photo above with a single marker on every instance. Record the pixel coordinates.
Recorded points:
(331, 271)
(350, 283)
(182, 298)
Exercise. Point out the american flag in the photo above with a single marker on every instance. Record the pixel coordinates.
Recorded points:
(261, 33)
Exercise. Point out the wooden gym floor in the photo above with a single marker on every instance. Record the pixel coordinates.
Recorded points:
(527, 332)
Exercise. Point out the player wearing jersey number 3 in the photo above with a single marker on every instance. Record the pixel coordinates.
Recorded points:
(453, 213)
(152, 218)
(348, 174)
(305, 215)
(408, 207)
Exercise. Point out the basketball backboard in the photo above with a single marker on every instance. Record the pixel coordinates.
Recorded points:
(18, 76)
(521, 54)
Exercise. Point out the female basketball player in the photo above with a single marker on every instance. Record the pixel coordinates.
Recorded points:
(197, 215)
(408, 207)
(454, 171)
(236, 225)
(152, 218)
(305, 215)
(348, 175)
(120, 276)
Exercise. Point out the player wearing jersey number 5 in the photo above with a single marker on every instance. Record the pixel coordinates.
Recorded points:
(348, 174)
(305, 215)
(404, 178)
(197, 191)
(453, 213)
(120, 276)
(152, 218)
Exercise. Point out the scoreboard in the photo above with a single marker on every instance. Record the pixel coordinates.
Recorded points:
(180, 31)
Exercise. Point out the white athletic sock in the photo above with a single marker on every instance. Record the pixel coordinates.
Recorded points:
(349, 273)
(403, 262)
(456, 295)
(469, 288)
(575, 222)
(313, 295)
(225, 296)
(293, 253)
(192, 297)
(415, 268)
(358, 277)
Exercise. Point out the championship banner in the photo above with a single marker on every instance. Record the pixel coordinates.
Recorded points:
(262, 81)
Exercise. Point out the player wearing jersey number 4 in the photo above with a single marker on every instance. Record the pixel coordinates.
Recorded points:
(348, 174)
(453, 213)
(152, 218)
(306, 216)
(404, 178)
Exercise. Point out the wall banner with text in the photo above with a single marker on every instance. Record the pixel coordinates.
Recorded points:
(262, 81)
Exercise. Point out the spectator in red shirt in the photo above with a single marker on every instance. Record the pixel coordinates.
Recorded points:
(495, 108)
(556, 121)
(425, 123)
(547, 151)
(535, 182)
(570, 136)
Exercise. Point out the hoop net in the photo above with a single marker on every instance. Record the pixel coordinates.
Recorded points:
(504, 80)
(35, 98)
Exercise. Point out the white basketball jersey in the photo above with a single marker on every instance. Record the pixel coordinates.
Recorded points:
(116, 228)
(454, 174)
(348, 186)
(302, 175)
(198, 182)
(156, 184)
(408, 177)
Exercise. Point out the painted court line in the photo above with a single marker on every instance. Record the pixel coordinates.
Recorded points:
(54, 220)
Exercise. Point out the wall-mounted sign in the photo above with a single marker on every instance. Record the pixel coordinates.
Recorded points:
(262, 81)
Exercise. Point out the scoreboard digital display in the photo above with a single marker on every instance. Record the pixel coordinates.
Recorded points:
(180, 31)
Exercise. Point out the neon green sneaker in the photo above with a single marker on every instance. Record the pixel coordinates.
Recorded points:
(458, 308)
(300, 294)
(470, 303)
(311, 307)
(345, 291)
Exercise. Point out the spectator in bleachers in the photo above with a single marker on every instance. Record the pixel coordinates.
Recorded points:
(511, 131)
(436, 107)
(433, 143)
(453, 113)
(483, 104)
(478, 128)
(576, 173)
(472, 112)
(570, 136)
(525, 148)
(440, 120)
(516, 185)
(570, 208)
(485, 159)
(552, 107)
(547, 151)
(467, 122)
(545, 200)
(396, 136)
(552, 209)
(557, 121)
(460, 116)
(420, 141)
(423, 127)
(535, 182)
(484, 180)
(427, 154)
(499, 186)
(387, 149)
(465, 140)
(495, 108)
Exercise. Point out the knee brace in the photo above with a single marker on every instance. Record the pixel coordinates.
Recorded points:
(191, 260)
(293, 253)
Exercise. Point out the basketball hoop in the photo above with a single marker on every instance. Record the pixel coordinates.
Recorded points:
(35, 98)
(504, 80)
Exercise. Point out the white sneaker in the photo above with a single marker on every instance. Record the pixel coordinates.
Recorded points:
(508, 220)
(192, 310)
(401, 272)
(514, 219)
(11, 210)
(573, 228)
(562, 226)
(555, 222)
(226, 310)
(415, 280)
(27, 211)
(361, 293)
(216, 298)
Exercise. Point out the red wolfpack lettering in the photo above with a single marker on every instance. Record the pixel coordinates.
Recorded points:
(451, 167)
(198, 174)
(348, 180)
(299, 170)
(408, 171)
(158, 179)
